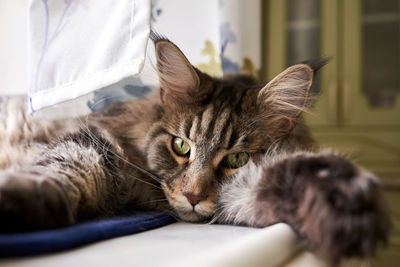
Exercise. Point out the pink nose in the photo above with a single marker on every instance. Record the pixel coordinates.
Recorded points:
(194, 199)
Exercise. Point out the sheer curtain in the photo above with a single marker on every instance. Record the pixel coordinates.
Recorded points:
(77, 46)
(92, 51)
(218, 37)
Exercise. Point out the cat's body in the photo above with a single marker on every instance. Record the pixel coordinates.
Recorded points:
(228, 149)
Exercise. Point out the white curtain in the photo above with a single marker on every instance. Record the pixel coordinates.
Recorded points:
(218, 37)
(77, 46)
(91, 50)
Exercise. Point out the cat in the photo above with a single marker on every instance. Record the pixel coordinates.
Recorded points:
(227, 150)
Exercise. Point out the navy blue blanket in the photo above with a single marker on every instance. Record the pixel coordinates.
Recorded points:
(25, 244)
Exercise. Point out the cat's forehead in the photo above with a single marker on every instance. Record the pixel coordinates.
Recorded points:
(220, 121)
(235, 93)
(228, 100)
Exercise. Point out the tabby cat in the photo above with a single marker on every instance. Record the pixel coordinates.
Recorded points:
(227, 150)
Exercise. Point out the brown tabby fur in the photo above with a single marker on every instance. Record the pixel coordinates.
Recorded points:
(57, 172)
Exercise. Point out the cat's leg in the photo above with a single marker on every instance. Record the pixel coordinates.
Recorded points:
(73, 177)
(33, 201)
(326, 199)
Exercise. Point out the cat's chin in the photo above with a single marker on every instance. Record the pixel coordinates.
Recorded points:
(192, 217)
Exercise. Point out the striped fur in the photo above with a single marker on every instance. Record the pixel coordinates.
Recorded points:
(54, 173)
(327, 200)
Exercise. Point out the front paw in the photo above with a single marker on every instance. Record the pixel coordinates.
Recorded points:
(342, 212)
(29, 202)
(330, 202)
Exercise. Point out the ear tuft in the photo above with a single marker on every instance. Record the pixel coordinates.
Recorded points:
(157, 37)
(283, 99)
(317, 63)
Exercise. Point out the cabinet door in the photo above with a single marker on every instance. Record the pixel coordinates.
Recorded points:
(299, 30)
(312, 33)
(358, 109)
(371, 64)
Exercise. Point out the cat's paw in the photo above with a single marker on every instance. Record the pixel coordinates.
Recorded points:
(336, 206)
(341, 212)
(28, 203)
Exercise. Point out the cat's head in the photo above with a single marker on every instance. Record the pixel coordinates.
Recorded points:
(210, 128)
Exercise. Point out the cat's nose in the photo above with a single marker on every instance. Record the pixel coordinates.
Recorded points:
(194, 199)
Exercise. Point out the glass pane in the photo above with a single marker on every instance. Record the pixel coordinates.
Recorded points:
(380, 52)
(303, 32)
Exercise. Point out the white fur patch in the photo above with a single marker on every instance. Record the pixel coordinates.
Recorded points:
(237, 196)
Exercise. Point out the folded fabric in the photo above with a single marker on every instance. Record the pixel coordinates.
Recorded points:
(76, 47)
(26, 244)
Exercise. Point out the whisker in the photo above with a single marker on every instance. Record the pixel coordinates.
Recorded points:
(98, 142)
(128, 175)
(171, 212)
(152, 201)
(217, 214)
(164, 199)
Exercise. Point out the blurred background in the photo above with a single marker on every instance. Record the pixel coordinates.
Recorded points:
(358, 108)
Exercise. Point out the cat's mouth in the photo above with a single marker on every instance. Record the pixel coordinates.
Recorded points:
(202, 212)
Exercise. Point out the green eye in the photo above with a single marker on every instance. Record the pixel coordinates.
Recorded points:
(236, 160)
(180, 146)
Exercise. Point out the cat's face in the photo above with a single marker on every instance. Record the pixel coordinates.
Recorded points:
(211, 128)
(197, 146)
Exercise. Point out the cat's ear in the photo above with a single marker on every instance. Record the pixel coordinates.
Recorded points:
(283, 99)
(178, 78)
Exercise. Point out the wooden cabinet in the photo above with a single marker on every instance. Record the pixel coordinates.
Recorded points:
(358, 106)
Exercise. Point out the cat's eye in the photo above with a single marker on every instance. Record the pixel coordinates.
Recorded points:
(236, 160)
(180, 146)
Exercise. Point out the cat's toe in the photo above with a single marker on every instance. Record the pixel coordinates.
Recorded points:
(346, 216)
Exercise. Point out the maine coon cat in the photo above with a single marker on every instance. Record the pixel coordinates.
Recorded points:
(228, 150)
